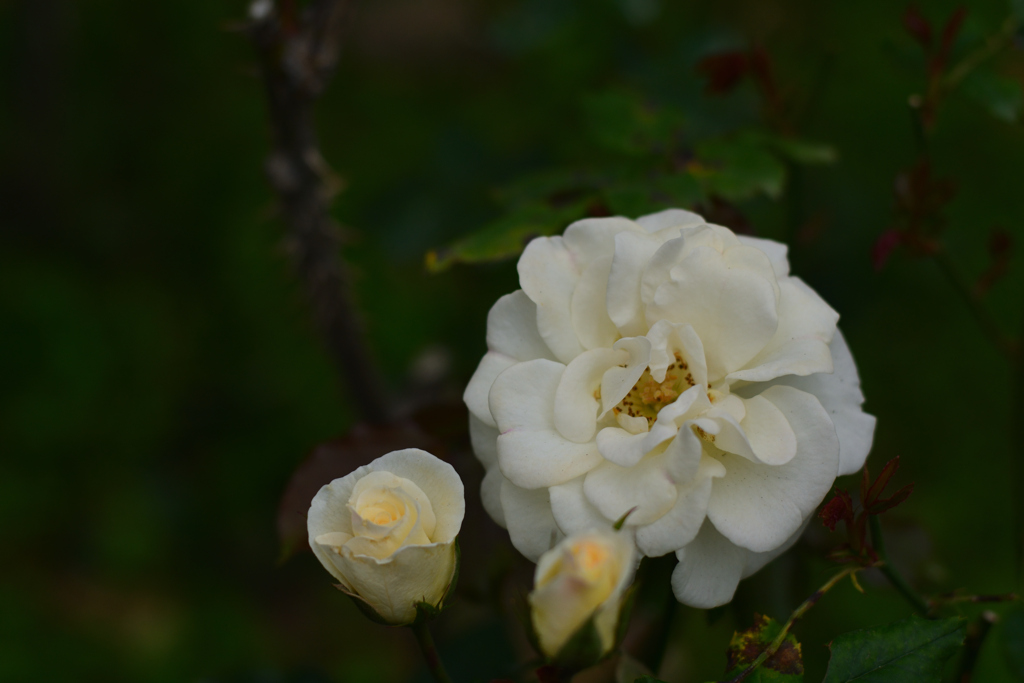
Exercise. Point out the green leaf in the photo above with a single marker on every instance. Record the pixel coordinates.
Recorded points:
(1002, 96)
(913, 650)
(1017, 9)
(804, 151)
(1013, 639)
(621, 122)
(786, 665)
(507, 236)
(738, 168)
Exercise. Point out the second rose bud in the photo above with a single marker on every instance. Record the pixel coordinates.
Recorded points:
(580, 589)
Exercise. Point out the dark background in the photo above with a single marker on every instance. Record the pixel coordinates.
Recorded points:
(160, 378)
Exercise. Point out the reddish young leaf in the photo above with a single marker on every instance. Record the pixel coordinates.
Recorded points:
(1000, 246)
(875, 489)
(885, 504)
(724, 71)
(950, 31)
(884, 246)
(839, 509)
(918, 26)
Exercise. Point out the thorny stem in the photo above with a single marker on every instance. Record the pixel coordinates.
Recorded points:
(981, 315)
(895, 578)
(297, 56)
(797, 614)
(976, 634)
(426, 642)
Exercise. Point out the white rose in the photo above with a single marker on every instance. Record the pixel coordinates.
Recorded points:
(387, 531)
(583, 577)
(670, 365)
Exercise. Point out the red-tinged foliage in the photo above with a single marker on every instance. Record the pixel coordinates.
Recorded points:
(949, 33)
(724, 71)
(842, 509)
(918, 26)
(884, 246)
(1000, 247)
(839, 509)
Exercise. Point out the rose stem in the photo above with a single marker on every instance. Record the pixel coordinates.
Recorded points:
(796, 615)
(298, 53)
(429, 650)
(895, 578)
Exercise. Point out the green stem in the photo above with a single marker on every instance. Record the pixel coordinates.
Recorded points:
(793, 618)
(991, 46)
(981, 315)
(429, 650)
(895, 578)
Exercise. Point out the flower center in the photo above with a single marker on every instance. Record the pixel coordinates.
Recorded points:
(648, 397)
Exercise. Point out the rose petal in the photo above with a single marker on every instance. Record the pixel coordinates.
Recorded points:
(576, 405)
(590, 309)
(632, 252)
(572, 511)
(841, 396)
(548, 275)
(800, 346)
(512, 328)
(777, 252)
(531, 526)
(667, 339)
(490, 494)
(679, 526)
(733, 310)
(646, 486)
(477, 391)
(531, 452)
(763, 435)
(669, 218)
(759, 506)
(709, 569)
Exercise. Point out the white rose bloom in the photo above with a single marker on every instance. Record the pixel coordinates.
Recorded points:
(387, 531)
(670, 365)
(584, 576)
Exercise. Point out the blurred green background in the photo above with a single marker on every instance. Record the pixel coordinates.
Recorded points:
(160, 378)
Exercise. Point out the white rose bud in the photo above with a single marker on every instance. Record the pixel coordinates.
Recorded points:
(387, 532)
(582, 578)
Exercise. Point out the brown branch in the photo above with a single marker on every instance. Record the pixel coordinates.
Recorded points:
(298, 52)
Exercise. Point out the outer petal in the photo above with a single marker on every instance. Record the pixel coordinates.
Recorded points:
(531, 526)
(548, 275)
(669, 218)
(593, 238)
(733, 310)
(490, 495)
(755, 561)
(573, 512)
(776, 251)
(632, 252)
(476, 394)
(589, 306)
(531, 452)
(757, 506)
(709, 570)
(484, 439)
(679, 526)
(801, 344)
(841, 395)
(415, 573)
(512, 328)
